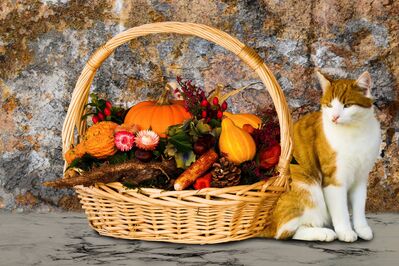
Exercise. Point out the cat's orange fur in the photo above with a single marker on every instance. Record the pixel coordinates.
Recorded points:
(315, 157)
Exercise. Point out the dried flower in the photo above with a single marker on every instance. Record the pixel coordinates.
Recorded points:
(124, 140)
(147, 139)
(193, 96)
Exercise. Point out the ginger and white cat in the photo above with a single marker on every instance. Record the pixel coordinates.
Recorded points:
(335, 150)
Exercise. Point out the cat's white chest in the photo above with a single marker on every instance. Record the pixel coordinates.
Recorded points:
(356, 148)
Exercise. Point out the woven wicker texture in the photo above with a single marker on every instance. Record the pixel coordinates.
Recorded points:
(208, 216)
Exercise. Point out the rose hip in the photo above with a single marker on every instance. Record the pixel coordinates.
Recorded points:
(108, 105)
(224, 106)
(95, 119)
(204, 103)
(215, 101)
(219, 114)
(101, 116)
(107, 111)
(204, 114)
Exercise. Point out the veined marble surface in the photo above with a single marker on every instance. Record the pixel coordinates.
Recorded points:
(66, 239)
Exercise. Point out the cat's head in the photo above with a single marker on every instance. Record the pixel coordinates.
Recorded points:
(346, 102)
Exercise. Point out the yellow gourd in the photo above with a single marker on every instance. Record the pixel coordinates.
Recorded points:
(241, 119)
(237, 145)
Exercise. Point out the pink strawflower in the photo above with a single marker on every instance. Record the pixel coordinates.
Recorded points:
(147, 140)
(124, 140)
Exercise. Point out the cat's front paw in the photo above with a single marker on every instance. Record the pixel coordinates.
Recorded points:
(364, 232)
(347, 235)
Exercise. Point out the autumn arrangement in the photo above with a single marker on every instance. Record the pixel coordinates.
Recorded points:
(185, 140)
(183, 168)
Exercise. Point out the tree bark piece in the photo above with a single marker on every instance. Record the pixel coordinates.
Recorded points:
(132, 171)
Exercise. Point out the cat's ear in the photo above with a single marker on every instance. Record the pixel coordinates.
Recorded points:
(364, 82)
(325, 83)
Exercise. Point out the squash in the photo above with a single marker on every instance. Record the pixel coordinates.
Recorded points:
(235, 143)
(241, 119)
(77, 152)
(157, 115)
(99, 140)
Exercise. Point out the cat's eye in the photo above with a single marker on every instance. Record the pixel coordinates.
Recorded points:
(329, 105)
(347, 105)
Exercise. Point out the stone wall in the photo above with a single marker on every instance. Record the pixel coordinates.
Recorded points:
(45, 44)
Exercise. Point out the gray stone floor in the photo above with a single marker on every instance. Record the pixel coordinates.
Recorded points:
(66, 239)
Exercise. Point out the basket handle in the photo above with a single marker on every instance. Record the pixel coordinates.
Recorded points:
(248, 55)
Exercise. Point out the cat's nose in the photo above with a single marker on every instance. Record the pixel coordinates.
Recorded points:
(335, 118)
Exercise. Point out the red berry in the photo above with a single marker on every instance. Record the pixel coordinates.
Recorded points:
(204, 103)
(219, 114)
(107, 111)
(224, 106)
(204, 114)
(215, 101)
(101, 116)
(95, 119)
(108, 105)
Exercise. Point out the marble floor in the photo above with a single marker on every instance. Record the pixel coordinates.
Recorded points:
(66, 239)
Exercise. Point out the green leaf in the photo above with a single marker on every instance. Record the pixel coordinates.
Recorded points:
(170, 150)
(215, 123)
(203, 128)
(184, 159)
(118, 157)
(94, 98)
(181, 141)
(101, 105)
(216, 132)
(86, 115)
(86, 162)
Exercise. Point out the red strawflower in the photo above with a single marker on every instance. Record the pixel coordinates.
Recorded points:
(203, 182)
(124, 141)
(269, 157)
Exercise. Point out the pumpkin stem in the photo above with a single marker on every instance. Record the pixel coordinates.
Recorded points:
(164, 99)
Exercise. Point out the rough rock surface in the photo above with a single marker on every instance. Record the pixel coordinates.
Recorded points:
(45, 44)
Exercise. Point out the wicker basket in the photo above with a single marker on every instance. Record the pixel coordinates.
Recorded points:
(207, 216)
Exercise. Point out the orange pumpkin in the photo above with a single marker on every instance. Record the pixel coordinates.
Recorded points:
(157, 115)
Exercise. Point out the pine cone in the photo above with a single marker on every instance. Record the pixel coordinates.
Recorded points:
(225, 174)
